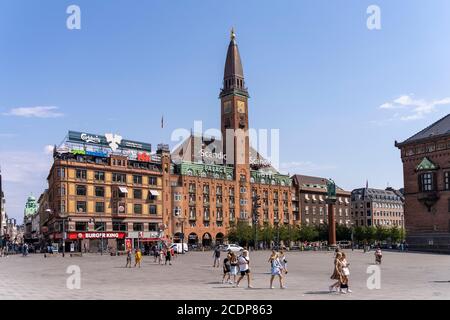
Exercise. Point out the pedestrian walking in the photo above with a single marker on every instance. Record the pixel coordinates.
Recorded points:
(346, 274)
(216, 256)
(168, 257)
(244, 262)
(155, 254)
(276, 269)
(378, 256)
(234, 266)
(128, 265)
(161, 256)
(337, 272)
(137, 258)
(226, 269)
(283, 261)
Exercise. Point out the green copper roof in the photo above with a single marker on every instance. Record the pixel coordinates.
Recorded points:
(426, 164)
(270, 178)
(206, 170)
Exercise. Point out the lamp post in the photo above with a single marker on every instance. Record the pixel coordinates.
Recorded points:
(182, 234)
(256, 206)
(276, 221)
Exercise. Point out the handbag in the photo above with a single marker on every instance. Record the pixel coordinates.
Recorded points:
(346, 271)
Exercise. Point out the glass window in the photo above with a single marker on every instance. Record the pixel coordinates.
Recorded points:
(137, 179)
(447, 180)
(99, 192)
(426, 182)
(138, 227)
(119, 226)
(81, 190)
(153, 181)
(81, 206)
(137, 208)
(99, 207)
(119, 177)
(61, 172)
(137, 193)
(80, 226)
(81, 174)
(99, 175)
(153, 227)
(100, 226)
(152, 209)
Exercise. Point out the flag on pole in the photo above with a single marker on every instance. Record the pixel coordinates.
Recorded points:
(162, 122)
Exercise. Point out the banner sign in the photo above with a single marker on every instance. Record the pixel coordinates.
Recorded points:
(96, 235)
(89, 138)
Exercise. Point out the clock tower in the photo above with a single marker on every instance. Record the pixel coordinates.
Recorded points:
(234, 125)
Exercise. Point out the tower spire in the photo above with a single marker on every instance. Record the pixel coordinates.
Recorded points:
(233, 77)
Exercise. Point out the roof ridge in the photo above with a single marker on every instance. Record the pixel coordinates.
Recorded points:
(427, 128)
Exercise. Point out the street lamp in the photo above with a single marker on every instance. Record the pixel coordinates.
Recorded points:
(276, 221)
(182, 220)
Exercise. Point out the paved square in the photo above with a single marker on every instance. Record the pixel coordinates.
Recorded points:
(403, 276)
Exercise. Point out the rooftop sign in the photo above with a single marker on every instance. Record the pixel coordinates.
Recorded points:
(108, 140)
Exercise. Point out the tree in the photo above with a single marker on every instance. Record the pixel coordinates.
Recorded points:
(381, 233)
(308, 233)
(359, 234)
(242, 233)
(370, 234)
(343, 232)
(323, 231)
(395, 234)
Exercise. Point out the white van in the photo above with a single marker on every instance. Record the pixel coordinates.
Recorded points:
(177, 247)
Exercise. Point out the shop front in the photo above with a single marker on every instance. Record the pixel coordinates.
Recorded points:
(96, 241)
(144, 240)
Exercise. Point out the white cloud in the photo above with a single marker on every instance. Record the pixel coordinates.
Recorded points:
(413, 109)
(304, 167)
(23, 173)
(48, 149)
(37, 112)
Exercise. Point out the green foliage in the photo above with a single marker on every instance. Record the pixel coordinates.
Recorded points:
(343, 233)
(308, 233)
(382, 234)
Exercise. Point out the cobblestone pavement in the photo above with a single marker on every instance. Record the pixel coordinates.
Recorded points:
(403, 276)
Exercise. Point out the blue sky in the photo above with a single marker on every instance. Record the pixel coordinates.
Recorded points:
(340, 94)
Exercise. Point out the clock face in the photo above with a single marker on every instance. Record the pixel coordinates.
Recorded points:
(241, 107)
(227, 107)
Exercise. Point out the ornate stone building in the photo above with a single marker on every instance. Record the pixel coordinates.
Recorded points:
(426, 172)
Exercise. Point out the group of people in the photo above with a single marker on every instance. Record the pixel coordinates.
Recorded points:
(162, 256)
(341, 271)
(237, 267)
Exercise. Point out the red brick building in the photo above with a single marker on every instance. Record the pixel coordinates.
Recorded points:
(426, 171)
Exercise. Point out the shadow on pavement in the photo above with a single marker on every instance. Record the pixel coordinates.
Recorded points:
(318, 292)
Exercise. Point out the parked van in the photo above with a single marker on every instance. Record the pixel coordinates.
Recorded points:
(177, 247)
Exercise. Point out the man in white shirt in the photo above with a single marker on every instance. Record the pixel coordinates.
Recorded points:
(244, 262)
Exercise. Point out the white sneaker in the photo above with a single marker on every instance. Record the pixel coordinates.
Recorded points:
(342, 292)
(272, 287)
(349, 291)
